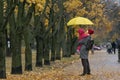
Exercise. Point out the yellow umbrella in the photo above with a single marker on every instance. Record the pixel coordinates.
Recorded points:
(79, 21)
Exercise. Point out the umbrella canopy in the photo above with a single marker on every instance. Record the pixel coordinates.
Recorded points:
(79, 21)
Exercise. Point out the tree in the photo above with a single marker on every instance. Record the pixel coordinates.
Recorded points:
(27, 37)
(112, 10)
(4, 14)
(19, 22)
(39, 32)
(2, 42)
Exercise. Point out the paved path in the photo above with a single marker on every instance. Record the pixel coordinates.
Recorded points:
(103, 65)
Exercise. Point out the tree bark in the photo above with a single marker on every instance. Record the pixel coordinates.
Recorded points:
(28, 51)
(28, 38)
(16, 24)
(2, 43)
(39, 52)
(2, 55)
(16, 54)
(46, 51)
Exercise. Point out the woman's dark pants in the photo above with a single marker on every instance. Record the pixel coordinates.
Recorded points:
(86, 67)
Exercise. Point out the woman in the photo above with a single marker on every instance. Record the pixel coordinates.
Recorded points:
(83, 38)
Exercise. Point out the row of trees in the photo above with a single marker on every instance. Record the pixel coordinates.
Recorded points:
(46, 21)
(112, 10)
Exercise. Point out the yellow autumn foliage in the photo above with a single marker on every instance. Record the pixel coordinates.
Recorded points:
(39, 4)
(21, 0)
(75, 5)
(92, 9)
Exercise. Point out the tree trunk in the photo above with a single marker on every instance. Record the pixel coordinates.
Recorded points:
(58, 50)
(53, 53)
(61, 31)
(53, 38)
(63, 37)
(2, 43)
(28, 51)
(2, 55)
(15, 36)
(68, 43)
(46, 51)
(58, 43)
(39, 35)
(73, 42)
(39, 41)
(39, 52)
(28, 36)
(16, 54)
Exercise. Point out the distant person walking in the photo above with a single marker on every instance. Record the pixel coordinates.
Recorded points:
(118, 46)
(113, 47)
(83, 39)
(109, 47)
